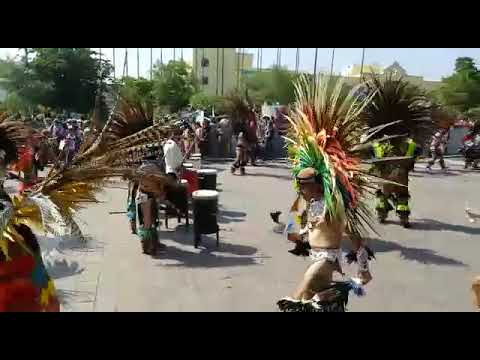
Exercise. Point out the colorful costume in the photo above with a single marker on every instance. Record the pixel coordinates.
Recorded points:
(399, 117)
(24, 282)
(331, 184)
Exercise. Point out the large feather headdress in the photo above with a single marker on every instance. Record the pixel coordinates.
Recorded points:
(326, 126)
(51, 204)
(401, 105)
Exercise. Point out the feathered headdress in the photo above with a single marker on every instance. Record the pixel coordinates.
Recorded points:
(13, 136)
(400, 104)
(325, 128)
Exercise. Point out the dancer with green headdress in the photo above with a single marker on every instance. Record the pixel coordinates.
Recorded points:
(326, 128)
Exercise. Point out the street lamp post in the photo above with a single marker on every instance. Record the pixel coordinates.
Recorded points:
(331, 66)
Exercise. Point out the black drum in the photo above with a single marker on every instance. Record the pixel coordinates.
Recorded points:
(205, 209)
(196, 159)
(178, 196)
(207, 179)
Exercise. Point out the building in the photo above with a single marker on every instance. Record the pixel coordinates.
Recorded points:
(218, 70)
(353, 72)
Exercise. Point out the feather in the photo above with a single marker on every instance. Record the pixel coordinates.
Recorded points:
(326, 127)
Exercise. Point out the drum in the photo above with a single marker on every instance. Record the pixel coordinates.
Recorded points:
(205, 209)
(207, 179)
(196, 159)
(190, 176)
(178, 196)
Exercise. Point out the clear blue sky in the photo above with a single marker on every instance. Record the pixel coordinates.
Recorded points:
(431, 63)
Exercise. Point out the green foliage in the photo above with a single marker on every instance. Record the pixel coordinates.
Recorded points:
(206, 102)
(137, 89)
(173, 85)
(61, 78)
(460, 92)
(15, 104)
(272, 86)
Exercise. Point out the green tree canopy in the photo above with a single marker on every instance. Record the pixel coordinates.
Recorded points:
(461, 91)
(206, 102)
(61, 78)
(173, 84)
(276, 85)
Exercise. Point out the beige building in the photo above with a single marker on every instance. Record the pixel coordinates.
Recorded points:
(218, 70)
(353, 72)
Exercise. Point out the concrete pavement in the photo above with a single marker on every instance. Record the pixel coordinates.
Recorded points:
(426, 268)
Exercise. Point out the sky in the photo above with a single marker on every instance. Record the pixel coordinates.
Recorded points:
(431, 63)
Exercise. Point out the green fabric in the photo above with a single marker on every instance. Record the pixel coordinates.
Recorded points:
(147, 234)
(411, 147)
(378, 150)
(310, 156)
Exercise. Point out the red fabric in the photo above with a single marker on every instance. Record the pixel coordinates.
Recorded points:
(19, 294)
(19, 266)
(192, 179)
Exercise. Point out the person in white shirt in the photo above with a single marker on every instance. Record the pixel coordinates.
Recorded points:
(173, 157)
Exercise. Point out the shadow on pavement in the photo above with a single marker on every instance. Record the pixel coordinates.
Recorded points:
(204, 259)
(59, 269)
(182, 236)
(423, 256)
(276, 176)
(433, 174)
(66, 297)
(435, 225)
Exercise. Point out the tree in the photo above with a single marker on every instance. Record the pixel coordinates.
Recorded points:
(206, 102)
(461, 91)
(61, 78)
(173, 85)
(272, 86)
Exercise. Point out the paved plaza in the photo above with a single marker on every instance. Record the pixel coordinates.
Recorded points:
(426, 268)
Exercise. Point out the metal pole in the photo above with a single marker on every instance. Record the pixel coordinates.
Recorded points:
(174, 56)
(138, 63)
(238, 66)
(280, 57)
(258, 59)
(203, 67)
(315, 73)
(218, 53)
(126, 61)
(261, 58)
(181, 53)
(297, 60)
(223, 67)
(331, 66)
(243, 62)
(114, 66)
(361, 66)
(151, 63)
(161, 56)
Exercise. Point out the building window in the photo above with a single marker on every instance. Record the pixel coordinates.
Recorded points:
(205, 80)
(205, 62)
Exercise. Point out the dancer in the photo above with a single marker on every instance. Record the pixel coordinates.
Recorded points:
(331, 186)
(25, 286)
(242, 154)
(399, 117)
(437, 148)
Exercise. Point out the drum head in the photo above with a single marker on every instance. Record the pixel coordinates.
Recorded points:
(197, 155)
(184, 182)
(207, 171)
(205, 194)
(187, 165)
